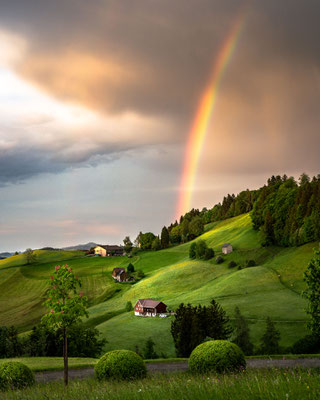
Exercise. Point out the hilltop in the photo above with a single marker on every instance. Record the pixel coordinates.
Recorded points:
(272, 288)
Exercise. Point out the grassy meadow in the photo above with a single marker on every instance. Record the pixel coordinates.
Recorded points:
(250, 385)
(272, 288)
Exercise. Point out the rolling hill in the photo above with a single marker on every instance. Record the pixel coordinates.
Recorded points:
(272, 288)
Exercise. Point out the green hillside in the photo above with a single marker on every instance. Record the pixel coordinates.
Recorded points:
(272, 288)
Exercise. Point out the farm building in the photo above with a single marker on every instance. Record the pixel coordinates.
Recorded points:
(108, 250)
(119, 274)
(149, 308)
(227, 248)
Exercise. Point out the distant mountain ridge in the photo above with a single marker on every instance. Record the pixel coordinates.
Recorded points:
(5, 254)
(86, 246)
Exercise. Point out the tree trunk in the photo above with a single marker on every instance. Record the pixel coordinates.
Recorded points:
(65, 356)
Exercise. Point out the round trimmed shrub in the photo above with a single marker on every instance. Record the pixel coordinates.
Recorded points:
(15, 375)
(232, 264)
(219, 260)
(120, 364)
(217, 356)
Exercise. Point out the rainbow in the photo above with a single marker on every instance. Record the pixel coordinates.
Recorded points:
(203, 116)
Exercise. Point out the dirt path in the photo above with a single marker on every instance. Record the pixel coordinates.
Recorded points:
(43, 377)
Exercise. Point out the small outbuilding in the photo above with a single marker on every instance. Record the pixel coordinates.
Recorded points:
(149, 308)
(227, 248)
(119, 274)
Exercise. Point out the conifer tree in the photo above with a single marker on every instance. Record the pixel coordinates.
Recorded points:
(242, 333)
(270, 339)
(164, 238)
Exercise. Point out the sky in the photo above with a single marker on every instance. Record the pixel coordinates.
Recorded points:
(97, 101)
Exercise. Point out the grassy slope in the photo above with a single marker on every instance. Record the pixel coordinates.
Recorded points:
(271, 288)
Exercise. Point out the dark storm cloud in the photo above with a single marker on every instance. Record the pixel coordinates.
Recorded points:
(155, 58)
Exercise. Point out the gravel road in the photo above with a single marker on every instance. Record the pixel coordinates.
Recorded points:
(47, 376)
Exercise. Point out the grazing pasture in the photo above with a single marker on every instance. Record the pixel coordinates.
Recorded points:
(271, 288)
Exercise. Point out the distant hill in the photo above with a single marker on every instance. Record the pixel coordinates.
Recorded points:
(5, 255)
(86, 246)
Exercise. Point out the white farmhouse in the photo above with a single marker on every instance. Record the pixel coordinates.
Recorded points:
(227, 248)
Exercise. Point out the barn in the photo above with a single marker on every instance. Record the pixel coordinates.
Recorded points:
(149, 308)
(227, 248)
(108, 250)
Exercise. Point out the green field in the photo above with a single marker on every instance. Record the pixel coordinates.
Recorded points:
(272, 288)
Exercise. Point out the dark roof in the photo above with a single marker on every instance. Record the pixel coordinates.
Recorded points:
(118, 271)
(226, 245)
(149, 303)
(110, 247)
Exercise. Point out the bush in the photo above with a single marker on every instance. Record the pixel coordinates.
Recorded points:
(232, 264)
(217, 356)
(208, 254)
(310, 344)
(120, 364)
(129, 307)
(130, 268)
(219, 260)
(192, 250)
(15, 375)
(251, 263)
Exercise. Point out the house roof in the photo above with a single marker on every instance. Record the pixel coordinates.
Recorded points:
(118, 271)
(110, 247)
(226, 245)
(150, 303)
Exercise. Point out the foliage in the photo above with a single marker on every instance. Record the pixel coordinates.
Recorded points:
(65, 304)
(130, 268)
(164, 238)
(200, 250)
(312, 293)
(242, 334)
(145, 240)
(270, 339)
(83, 342)
(219, 260)
(156, 244)
(15, 375)
(192, 250)
(217, 356)
(127, 245)
(129, 306)
(149, 352)
(192, 324)
(250, 263)
(287, 212)
(120, 364)
(309, 344)
(232, 264)
(10, 345)
(140, 274)
(30, 256)
(196, 227)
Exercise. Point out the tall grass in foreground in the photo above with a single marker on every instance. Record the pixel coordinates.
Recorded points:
(251, 385)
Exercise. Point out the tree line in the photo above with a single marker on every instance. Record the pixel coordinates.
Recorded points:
(286, 211)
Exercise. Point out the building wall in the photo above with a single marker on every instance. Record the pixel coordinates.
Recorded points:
(227, 250)
(101, 251)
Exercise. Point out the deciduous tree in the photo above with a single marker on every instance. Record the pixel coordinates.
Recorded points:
(66, 306)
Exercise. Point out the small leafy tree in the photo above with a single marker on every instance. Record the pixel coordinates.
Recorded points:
(201, 249)
(312, 293)
(30, 256)
(66, 306)
(128, 306)
(127, 245)
(156, 244)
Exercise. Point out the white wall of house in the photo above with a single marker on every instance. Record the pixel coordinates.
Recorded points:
(100, 250)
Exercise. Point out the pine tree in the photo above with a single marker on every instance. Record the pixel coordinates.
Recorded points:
(270, 339)
(164, 238)
(149, 353)
(242, 333)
